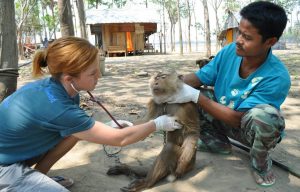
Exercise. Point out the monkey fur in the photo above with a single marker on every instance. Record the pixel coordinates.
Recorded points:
(179, 153)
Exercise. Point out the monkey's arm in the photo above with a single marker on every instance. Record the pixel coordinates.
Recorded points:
(188, 150)
(152, 112)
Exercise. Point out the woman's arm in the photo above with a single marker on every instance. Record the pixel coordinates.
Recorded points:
(104, 134)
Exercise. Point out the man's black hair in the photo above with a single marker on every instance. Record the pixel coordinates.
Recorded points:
(270, 19)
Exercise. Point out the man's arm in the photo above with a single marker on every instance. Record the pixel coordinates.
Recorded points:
(192, 80)
(218, 111)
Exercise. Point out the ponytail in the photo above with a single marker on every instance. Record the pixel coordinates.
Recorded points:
(39, 62)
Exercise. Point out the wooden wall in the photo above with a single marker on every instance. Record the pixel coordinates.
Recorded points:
(114, 34)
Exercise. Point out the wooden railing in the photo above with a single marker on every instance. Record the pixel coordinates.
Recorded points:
(149, 47)
(115, 49)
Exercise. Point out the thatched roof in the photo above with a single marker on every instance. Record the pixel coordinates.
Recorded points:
(232, 21)
(126, 15)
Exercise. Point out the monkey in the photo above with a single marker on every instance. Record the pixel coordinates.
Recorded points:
(178, 155)
(202, 62)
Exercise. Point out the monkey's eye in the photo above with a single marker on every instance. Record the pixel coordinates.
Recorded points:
(163, 76)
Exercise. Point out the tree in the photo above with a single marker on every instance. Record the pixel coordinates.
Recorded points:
(8, 49)
(65, 18)
(216, 5)
(171, 7)
(232, 5)
(25, 7)
(288, 5)
(173, 17)
(50, 22)
(180, 29)
(81, 13)
(164, 26)
(207, 29)
(189, 24)
(54, 19)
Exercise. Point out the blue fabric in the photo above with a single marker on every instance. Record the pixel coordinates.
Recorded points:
(37, 117)
(19, 177)
(269, 84)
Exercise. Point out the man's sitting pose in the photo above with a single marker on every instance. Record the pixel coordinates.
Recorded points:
(249, 85)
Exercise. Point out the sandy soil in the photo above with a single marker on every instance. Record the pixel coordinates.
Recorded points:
(124, 92)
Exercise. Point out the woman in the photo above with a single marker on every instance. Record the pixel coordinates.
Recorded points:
(42, 121)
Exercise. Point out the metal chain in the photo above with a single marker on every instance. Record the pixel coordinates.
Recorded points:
(92, 98)
(164, 132)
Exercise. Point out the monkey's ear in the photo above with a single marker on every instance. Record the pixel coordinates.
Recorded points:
(180, 77)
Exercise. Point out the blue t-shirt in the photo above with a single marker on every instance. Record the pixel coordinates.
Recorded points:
(269, 84)
(37, 117)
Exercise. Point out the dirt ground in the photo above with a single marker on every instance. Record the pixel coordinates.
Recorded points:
(123, 90)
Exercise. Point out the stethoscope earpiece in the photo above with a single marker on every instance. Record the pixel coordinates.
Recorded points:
(73, 87)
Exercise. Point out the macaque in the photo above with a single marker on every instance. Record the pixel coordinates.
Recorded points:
(179, 153)
(202, 62)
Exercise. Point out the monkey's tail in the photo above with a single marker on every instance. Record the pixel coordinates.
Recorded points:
(278, 164)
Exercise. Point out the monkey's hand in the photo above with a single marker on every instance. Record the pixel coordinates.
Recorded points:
(166, 123)
(184, 95)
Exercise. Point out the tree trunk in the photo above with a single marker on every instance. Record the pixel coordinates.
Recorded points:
(53, 16)
(65, 18)
(218, 44)
(81, 13)
(180, 29)
(189, 25)
(216, 5)
(207, 29)
(172, 31)
(164, 23)
(8, 49)
(44, 24)
(196, 30)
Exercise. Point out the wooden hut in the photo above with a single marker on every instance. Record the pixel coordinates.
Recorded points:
(122, 31)
(230, 29)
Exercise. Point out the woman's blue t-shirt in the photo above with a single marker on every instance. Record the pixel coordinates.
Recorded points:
(269, 84)
(37, 117)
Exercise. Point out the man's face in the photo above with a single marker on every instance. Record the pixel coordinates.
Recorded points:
(249, 41)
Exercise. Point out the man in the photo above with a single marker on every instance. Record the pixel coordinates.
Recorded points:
(250, 84)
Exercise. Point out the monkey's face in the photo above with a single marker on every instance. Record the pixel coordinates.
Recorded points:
(163, 85)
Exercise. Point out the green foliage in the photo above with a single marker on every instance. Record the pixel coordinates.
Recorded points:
(184, 12)
(107, 3)
(288, 5)
(32, 23)
(199, 27)
(171, 7)
(232, 5)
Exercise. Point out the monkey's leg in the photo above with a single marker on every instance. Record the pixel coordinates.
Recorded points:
(163, 166)
(187, 157)
(132, 171)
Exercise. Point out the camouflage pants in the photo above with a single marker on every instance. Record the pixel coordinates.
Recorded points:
(261, 129)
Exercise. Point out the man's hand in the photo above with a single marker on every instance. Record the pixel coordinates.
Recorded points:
(166, 123)
(184, 95)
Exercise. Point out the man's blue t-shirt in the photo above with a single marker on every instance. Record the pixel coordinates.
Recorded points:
(269, 84)
(37, 117)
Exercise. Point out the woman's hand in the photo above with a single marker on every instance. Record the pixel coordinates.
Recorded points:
(166, 123)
